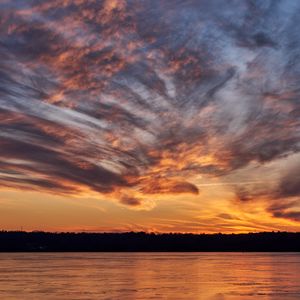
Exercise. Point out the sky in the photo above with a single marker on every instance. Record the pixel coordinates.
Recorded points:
(150, 115)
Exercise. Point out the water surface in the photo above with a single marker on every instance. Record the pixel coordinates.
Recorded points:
(122, 276)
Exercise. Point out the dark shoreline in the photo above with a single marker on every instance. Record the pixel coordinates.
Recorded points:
(20, 241)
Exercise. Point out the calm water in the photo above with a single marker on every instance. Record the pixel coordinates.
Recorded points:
(212, 276)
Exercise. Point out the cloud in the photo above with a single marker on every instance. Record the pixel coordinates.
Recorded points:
(288, 209)
(165, 186)
(286, 203)
(290, 183)
(243, 194)
(137, 97)
(280, 195)
(131, 201)
(292, 215)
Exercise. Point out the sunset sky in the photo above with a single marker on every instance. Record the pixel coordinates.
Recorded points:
(153, 115)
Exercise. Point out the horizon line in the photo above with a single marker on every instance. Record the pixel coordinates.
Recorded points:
(145, 232)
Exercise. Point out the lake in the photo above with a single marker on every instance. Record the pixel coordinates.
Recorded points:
(122, 276)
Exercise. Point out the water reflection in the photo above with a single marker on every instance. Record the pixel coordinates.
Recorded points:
(207, 276)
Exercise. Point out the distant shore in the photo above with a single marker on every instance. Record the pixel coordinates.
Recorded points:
(36, 241)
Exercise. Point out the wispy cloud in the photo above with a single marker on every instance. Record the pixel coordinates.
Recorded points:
(134, 98)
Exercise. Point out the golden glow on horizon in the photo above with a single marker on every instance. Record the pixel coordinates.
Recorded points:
(211, 211)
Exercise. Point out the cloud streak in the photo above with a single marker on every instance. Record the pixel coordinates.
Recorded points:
(135, 98)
